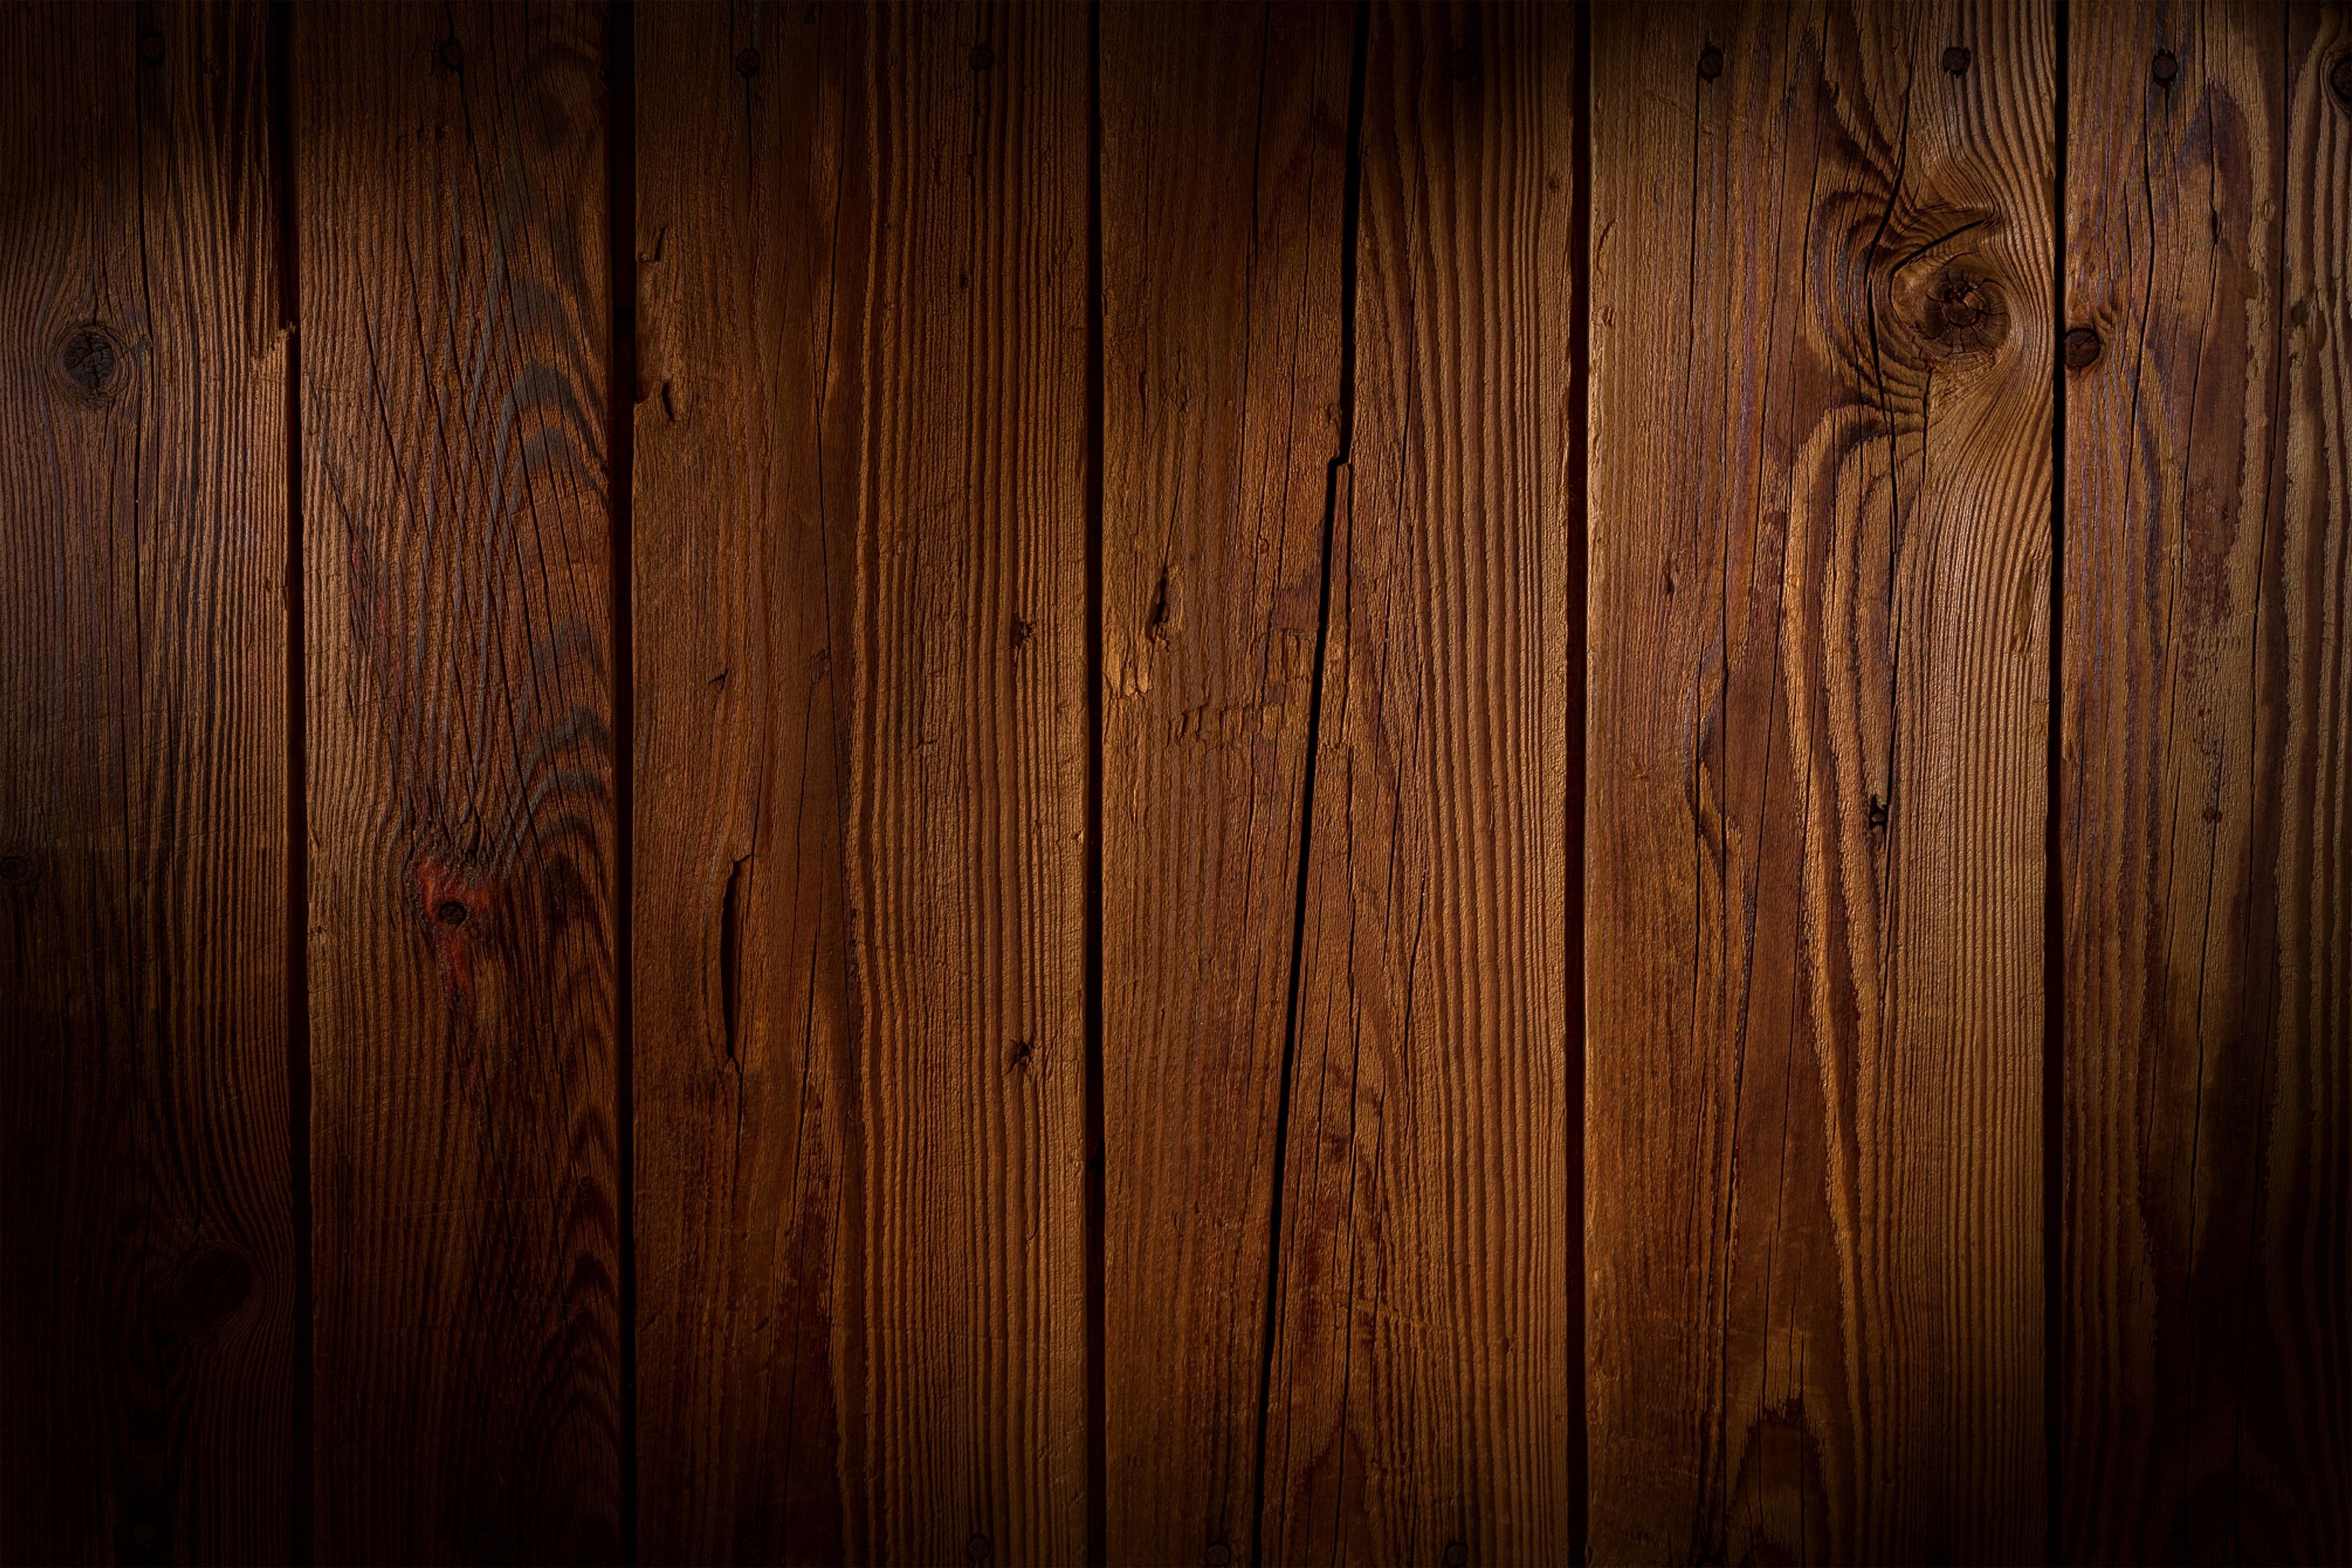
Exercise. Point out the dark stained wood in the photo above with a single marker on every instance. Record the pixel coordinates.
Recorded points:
(467, 1238)
(1224, 166)
(861, 600)
(1424, 1376)
(147, 1384)
(2207, 1297)
(1821, 362)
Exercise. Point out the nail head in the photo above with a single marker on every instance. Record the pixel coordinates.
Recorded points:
(2082, 346)
(982, 56)
(2165, 67)
(151, 48)
(1710, 62)
(1957, 59)
(453, 55)
(747, 62)
(1457, 1552)
(977, 1548)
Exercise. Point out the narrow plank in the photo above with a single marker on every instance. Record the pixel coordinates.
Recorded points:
(147, 1384)
(1821, 362)
(465, 1214)
(2208, 1414)
(1225, 168)
(1424, 1374)
(861, 601)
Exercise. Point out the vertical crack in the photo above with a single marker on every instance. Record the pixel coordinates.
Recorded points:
(1350, 224)
(1097, 1440)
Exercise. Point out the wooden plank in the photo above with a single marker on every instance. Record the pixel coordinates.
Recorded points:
(861, 601)
(1423, 1379)
(1822, 361)
(468, 1330)
(1224, 174)
(2207, 1294)
(148, 1379)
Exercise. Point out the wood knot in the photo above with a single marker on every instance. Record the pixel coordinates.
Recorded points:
(2339, 78)
(2164, 67)
(2082, 346)
(976, 1550)
(209, 1284)
(1457, 1554)
(1963, 312)
(1465, 63)
(1957, 59)
(1710, 63)
(151, 47)
(747, 62)
(450, 913)
(15, 869)
(90, 364)
(1218, 1554)
(1877, 814)
(452, 55)
(982, 56)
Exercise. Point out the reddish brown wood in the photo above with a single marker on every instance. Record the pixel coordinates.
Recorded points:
(463, 1155)
(148, 1375)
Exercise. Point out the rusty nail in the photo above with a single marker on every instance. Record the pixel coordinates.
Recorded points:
(1956, 60)
(2083, 347)
(747, 62)
(2165, 68)
(1710, 62)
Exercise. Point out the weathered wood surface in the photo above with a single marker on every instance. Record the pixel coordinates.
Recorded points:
(1423, 1380)
(862, 603)
(2207, 1300)
(148, 1375)
(1224, 197)
(1820, 448)
(464, 1151)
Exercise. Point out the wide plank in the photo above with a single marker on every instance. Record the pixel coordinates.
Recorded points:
(861, 607)
(1224, 194)
(1820, 468)
(2207, 1297)
(150, 1385)
(1423, 1372)
(463, 1144)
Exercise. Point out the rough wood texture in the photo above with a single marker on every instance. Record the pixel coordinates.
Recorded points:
(147, 1384)
(1225, 168)
(862, 633)
(1424, 1377)
(468, 1351)
(1822, 360)
(2207, 1307)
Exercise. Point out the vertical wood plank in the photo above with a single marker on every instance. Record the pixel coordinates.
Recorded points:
(148, 1385)
(468, 1337)
(1822, 361)
(1225, 168)
(2209, 1413)
(861, 594)
(1422, 1375)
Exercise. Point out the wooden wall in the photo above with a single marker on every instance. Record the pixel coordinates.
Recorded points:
(1176, 782)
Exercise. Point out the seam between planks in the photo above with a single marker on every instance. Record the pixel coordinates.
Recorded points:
(2053, 902)
(1098, 1545)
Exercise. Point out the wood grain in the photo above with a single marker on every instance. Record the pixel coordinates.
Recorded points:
(2205, 1300)
(1822, 363)
(148, 1377)
(1423, 1381)
(862, 647)
(467, 1331)
(1225, 173)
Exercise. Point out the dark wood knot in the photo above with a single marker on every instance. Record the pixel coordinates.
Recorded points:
(1710, 62)
(151, 47)
(976, 1550)
(2164, 67)
(1457, 1552)
(982, 56)
(452, 55)
(747, 62)
(209, 1284)
(1957, 59)
(1218, 1554)
(1877, 814)
(90, 359)
(1962, 312)
(2082, 346)
(15, 869)
(450, 913)
(2340, 77)
(1465, 63)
